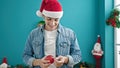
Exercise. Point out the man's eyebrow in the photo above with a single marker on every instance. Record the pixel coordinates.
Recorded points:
(52, 18)
(48, 17)
(56, 18)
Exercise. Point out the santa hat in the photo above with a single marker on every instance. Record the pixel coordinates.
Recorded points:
(4, 60)
(98, 40)
(50, 8)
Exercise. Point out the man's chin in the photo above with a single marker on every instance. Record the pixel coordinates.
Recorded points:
(54, 27)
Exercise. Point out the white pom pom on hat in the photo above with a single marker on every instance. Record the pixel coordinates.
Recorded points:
(38, 13)
(50, 8)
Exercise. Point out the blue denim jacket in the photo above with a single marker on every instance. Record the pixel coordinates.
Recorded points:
(66, 45)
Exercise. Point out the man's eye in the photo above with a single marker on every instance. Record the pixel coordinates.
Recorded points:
(56, 19)
(49, 19)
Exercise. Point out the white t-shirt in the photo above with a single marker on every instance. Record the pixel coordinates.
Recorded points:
(50, 44)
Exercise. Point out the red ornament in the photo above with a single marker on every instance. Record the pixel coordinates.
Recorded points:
(113, 19)
(50, 58)
(112, 22)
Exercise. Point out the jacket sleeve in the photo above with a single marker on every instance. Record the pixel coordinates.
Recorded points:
(28, 51)
(75, 53)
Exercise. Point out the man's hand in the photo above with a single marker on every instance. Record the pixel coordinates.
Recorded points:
(41, 62)
(60, 60)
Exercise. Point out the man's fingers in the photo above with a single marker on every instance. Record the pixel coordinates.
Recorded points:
(46, 61)
(46, 65)
(61, 61)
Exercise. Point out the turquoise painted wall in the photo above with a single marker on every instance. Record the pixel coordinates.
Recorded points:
(18, 18)
(109, 37)
(107, 33)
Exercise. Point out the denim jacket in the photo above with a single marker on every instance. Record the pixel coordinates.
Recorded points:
(66, 45)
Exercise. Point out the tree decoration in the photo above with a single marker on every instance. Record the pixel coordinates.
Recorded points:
(4, 63)
(97, 52)
(40, 23)
(113, 19)
(84, 64)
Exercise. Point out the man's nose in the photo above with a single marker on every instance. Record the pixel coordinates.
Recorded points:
(52, 22)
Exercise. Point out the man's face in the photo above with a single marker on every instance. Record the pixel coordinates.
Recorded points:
(51, 23)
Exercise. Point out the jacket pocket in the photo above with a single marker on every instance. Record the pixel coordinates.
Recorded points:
(64, 48)
(37, 48)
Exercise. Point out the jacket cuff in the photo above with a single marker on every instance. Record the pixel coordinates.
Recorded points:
(30, 61)
(71, 61)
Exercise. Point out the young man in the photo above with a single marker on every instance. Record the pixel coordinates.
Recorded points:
(51, 39)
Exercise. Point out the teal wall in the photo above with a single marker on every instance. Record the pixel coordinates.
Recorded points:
(107, 33)
(109, 36)
(85, 17)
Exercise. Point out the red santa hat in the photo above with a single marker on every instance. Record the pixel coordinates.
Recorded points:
(50, 8)
(98, 40)
(4, 60)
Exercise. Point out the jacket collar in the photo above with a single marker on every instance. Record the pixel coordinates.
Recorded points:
(59, 29)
